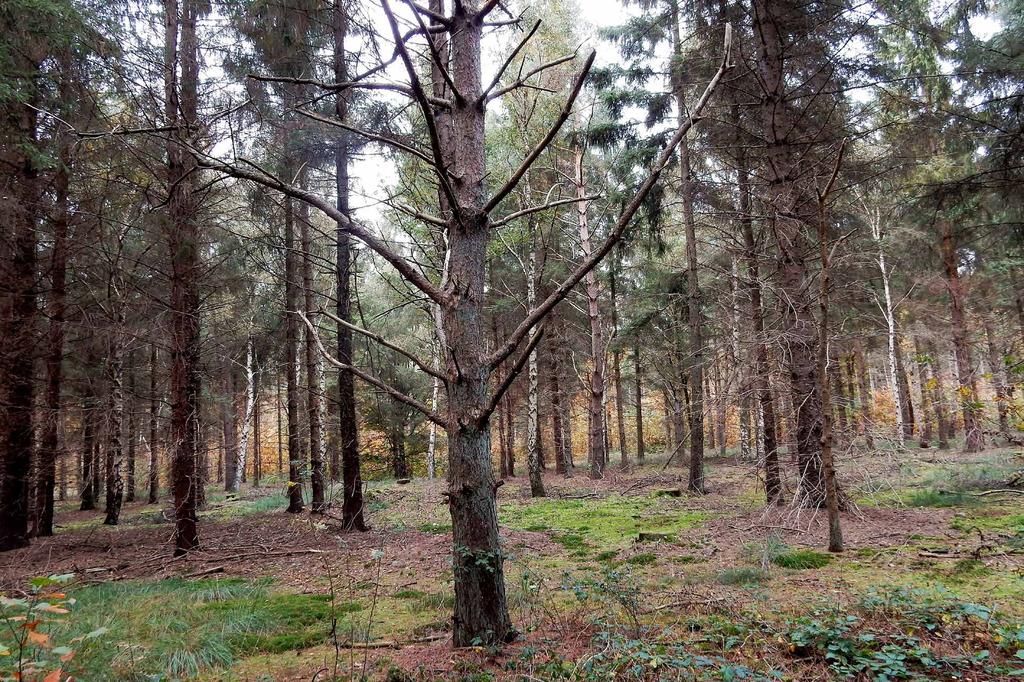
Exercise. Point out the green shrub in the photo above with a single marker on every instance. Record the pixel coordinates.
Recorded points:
(645, 559)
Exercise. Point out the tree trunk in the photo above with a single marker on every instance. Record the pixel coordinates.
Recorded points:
(257, 432)
(996, 367)
(762, 387)
(620, 398)
(154, 407)
(49, 445)
(115, 444)
(693, 299)
(18, 204)
(866, 397)
(974, 439)
(639, 402)
(481, 608)
(558, 441)
(132, 435)
(296, 457)
(924, 380)
(183, 244)
(245, 417)
(229, 418)
(348, 431)
(906, 404)
(533, 440)
(783, 218)
(596, 453)
(318, 503)
(942, 415)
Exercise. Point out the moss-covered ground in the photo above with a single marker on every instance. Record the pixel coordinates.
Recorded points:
(615, 577)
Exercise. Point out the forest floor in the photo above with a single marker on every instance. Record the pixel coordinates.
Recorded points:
(622, 578)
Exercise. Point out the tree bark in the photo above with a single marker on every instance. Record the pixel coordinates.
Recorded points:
(924, 380)
(533, 439)
(596, 453)
(49, 445)
(638, 402)
(974, 438)
(296, 456)
(314, 416)
(784, 206)
(695, 483)
(181, 105)
(154, 407)
(115, 443)
(620, 398)
(348, 431)
(18, 205)
(996, 367)
(132, 436)
(762, 387)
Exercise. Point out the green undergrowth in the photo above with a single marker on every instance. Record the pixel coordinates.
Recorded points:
(177, 628)
(601, 525)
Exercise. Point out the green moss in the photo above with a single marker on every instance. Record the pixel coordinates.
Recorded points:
(645, 559)
(801, 559)
(609, 523)
(607, 555)
(436, 528)
(409, 594)
(938, 498)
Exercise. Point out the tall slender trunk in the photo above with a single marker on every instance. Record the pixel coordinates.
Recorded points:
(245, 417)
(229, 417)
(348, 431)
(154, 407)
(924, 381)
(280, 429)
(596, 452)
(557, 438)
(832, 502)
(132, 435)
(906, 403)
(181, 105)
(314, 416)
(784, 206)
(533, 439)
(87, 490)
(875, 218)
(257, 432)
(974, 439)
(481, 607)
(49, 445)
(620, 398)
(115, 443)
(296, 456)
(19, 202)
(996, 369)
(866, 397)
(693, 299)
(762, 387)
(942, 415)
(638, 402)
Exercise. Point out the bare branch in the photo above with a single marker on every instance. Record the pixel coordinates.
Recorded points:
(543, 144)
(387, 344)
(383, 139)
(508, 60)
(266, 179)
(513, 372)
(350, 85)
(521, 81)
(421, 98)
(369, 378)
(536, 209)
(563, 289)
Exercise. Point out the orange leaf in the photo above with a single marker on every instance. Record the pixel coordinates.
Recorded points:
(67, 657)
(53, 677)
(40, 638)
